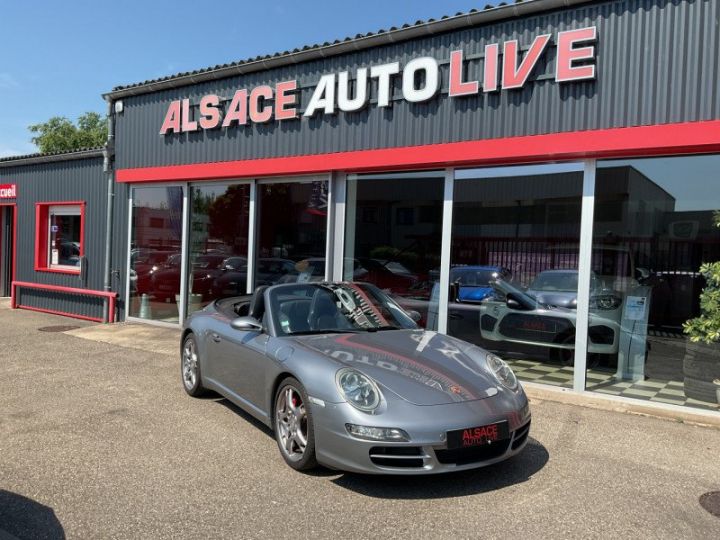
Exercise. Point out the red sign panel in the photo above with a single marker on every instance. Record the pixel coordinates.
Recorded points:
(8, 191)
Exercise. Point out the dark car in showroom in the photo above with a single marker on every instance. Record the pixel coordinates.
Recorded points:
(204, 271)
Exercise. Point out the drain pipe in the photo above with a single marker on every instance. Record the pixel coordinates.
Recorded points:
(108, 154)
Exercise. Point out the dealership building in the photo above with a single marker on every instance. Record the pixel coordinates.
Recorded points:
(540, 178)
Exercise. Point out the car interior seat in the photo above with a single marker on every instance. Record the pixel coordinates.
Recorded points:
(324, 314)
(294, 316)
(257, 303)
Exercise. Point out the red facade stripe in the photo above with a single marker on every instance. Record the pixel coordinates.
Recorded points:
(682, 138)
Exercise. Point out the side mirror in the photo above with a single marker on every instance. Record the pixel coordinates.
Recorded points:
(513, 304)
(414, 315)
(454, 293)
(513, 301)
(246, 324)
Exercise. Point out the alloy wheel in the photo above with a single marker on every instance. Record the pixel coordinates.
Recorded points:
(291, 423)
(189, 365)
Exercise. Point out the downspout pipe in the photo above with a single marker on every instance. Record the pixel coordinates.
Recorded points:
(108, 154)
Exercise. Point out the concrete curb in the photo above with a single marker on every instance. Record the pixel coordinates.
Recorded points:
(622, 405)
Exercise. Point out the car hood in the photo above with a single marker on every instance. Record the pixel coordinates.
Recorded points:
(557, 298)
(421, 367)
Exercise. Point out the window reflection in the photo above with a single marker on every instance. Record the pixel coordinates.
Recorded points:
(655, 227)
(513, 275)
(292, 232)
(218, 239)
(155, 253)
(393, 233)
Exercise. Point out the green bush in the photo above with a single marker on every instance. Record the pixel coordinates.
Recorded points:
(706, 327)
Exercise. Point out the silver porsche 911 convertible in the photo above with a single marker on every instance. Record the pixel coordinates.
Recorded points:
(346, 379)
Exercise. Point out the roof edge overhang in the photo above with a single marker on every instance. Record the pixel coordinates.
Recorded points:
(465, 20)
(34, 159)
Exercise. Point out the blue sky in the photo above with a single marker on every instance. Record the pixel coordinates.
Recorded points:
(58, 58)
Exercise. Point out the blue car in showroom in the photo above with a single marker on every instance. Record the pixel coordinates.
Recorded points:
(346, 379)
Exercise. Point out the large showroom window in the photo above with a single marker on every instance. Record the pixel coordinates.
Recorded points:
(291, 231)
(156, 253)
(514, 266)
(218, 240)
(656, 242)
(393, 232)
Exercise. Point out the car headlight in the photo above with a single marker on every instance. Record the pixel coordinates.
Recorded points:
(503, 373)
(357, 389)
(605, 302)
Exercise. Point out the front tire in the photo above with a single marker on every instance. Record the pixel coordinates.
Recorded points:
(293, 425)
(190, 367)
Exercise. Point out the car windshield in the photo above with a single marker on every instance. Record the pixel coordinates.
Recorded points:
(208, 262)
(234, 263)
(473, 277)
(318, 308)
(502, 288)
(555, 281)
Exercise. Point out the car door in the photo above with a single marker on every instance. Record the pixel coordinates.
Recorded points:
(240, 363)
(464, 321)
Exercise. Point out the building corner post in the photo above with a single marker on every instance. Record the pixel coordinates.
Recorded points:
(108, 158)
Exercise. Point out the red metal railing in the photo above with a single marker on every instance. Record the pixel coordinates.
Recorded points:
(110, 298)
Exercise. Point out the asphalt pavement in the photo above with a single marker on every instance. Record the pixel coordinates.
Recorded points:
(99, 440)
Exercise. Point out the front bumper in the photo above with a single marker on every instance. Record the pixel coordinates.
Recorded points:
(426, 452)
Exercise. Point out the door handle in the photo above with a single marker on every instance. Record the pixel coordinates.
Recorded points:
(215, 337)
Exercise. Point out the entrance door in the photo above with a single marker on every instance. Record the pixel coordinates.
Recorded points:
(6, 249)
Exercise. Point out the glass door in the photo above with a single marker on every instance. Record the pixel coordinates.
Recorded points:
(156, 252)
(218, 243)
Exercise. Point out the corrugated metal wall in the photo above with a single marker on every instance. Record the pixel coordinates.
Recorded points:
(72, 180)
(657, 61)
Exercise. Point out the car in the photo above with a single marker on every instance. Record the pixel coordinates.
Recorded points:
(166, 280)
(511, 315)
(388, 276)
(559, 288)
(145, 262)
(345, 379)
(473, 282)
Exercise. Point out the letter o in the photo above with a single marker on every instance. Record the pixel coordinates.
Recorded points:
(432, 79)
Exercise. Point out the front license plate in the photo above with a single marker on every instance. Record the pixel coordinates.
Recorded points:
(478, 436)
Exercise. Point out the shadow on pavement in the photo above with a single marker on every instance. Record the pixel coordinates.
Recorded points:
(245, 416)
(23, 518)
(513, 471)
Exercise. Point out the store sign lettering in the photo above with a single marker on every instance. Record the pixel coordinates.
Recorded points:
(8, 191)
(505, 69)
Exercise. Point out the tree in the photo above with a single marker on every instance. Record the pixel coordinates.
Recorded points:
(706, 327)
(60, 135)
